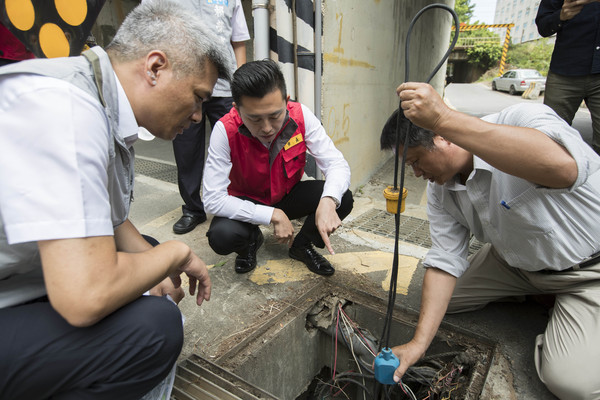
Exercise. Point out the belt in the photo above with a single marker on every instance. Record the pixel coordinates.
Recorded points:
(591, 260)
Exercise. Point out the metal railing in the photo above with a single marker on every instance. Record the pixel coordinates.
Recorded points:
(472, 41)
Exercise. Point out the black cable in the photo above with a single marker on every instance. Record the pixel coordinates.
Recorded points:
(350, 380)
(394, 275)
(356, 375)
(440, 355)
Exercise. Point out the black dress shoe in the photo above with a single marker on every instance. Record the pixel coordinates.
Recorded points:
(313, 260)
(247, 263)
(188, 222)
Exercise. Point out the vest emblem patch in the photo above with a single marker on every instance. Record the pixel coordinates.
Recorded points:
(293, 141)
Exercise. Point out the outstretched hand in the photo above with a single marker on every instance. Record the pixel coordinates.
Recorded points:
(197, 273)
(327, 220)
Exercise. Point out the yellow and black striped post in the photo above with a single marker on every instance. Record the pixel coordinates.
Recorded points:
(505, 49)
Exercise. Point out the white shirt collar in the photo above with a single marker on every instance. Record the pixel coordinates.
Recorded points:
(128, 126)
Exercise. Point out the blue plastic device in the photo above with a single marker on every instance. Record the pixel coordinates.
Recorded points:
(385, 365)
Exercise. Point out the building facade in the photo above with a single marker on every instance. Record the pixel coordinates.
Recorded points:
(521, 13)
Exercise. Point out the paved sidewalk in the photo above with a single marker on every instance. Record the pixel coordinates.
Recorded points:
(363, 258)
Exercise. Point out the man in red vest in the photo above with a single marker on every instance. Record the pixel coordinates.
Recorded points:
(253, 173)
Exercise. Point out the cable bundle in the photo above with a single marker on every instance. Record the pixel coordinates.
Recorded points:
(385, 336)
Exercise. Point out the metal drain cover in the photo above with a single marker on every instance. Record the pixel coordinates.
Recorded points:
(156, 170)
(412, 230)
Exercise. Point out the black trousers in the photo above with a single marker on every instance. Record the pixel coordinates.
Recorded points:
(189, 149)
(226, 235)
(123, 356)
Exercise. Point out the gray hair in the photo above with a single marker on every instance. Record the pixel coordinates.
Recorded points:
(417, 135)
(166, 26)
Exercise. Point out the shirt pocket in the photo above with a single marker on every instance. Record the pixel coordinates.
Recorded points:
(525, 214)
(294, 160)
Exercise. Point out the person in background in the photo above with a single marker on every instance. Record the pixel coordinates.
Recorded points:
(254, 168)
(227, 21)
(536, 210)
(73, 268)
(574, 74)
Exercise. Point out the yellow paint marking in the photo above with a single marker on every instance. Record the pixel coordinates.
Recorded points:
(163, 219)
(282, 271)
(346, 62)
(373, 261)
(340, 141)
(406, 269)
(339, 48)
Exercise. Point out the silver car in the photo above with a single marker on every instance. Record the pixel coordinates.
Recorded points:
(518, 80)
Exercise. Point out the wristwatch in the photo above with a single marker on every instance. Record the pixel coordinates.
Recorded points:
(337, 203)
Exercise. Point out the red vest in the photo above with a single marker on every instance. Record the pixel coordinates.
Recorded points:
(11, 48)
(261, 173)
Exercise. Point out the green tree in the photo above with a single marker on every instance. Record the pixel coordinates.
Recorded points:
(485, 49)
(464, 9)
(484, 55)
(535, 55)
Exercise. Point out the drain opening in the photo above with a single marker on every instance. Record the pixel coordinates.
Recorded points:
(436, 376)
(294, 356)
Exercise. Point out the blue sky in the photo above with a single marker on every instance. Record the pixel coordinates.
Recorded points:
(484, 11)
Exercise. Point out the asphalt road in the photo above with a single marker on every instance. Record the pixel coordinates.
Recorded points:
(479, 99)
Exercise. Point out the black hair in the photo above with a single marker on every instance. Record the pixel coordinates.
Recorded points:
(257, 79)
(417, 136)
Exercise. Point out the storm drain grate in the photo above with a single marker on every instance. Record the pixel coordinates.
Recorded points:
(156, 170)
(412, 230)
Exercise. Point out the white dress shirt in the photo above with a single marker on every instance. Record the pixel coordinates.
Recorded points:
(531, 227)
(53, 159)
(218, 202)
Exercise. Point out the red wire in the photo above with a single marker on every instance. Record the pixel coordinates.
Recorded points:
(341, 390)
(355, 327)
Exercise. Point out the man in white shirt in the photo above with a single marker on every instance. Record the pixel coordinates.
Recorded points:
(525, 183)
(73, 268)
(254, 168)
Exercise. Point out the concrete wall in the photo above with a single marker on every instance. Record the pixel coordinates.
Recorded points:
(363, 63)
